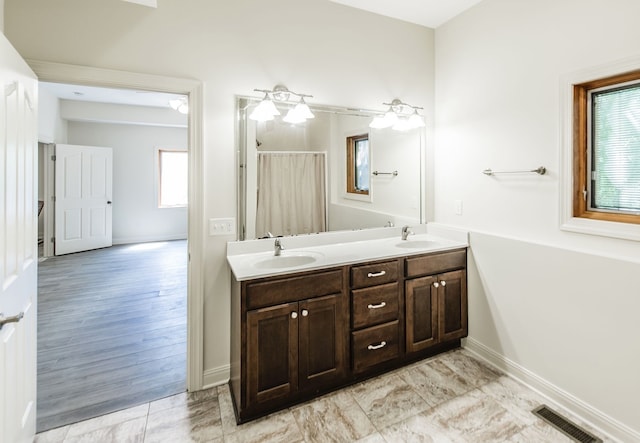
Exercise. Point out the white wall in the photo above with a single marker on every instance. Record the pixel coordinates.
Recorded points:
(2, 16)
(136, 216)
(560, 306)
(52, 128)
(341, 55)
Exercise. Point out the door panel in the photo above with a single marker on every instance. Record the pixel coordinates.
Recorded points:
(322, 329)
(422, 314)
(18, 246)
(83, 198)
(272, 353)
(452, 304)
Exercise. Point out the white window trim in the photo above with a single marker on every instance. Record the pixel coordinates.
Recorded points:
(568, 222)
(156, 178)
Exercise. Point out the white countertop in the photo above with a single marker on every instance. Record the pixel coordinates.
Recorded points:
(255, 258)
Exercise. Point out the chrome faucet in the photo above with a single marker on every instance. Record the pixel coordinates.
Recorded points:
(406, 232)
(278, 247)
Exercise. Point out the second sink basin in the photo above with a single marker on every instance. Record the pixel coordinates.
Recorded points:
(288, 260)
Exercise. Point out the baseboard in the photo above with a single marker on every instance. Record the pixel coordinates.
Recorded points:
(147, 239)
(557, 396)
(216, 376)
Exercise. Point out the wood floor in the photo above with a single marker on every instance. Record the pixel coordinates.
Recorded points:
(111, 330)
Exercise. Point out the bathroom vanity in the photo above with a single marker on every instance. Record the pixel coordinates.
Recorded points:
(325, 316)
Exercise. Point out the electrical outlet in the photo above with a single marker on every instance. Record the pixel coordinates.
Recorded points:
(222, 226)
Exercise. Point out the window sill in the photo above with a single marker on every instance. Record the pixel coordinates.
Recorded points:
(359, 197)
(625, 231)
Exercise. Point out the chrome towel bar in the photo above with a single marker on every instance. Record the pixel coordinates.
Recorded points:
(541, 170)
(394, 173)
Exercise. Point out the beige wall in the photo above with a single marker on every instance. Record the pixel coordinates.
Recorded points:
(340, 55)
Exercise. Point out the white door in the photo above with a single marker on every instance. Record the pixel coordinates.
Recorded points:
(18, 246)
(83, 187)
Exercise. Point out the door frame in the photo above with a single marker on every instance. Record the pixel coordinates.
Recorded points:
(83, 75)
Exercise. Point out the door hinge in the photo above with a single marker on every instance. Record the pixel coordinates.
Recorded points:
(53, 239)
(53, 158)
(53, 198)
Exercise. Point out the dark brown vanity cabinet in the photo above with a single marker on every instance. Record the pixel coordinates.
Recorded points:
(294, 340)
(435, 299)
(299, 335)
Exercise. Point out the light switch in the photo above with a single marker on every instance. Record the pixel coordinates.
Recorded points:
(222, 226)
(458, 207)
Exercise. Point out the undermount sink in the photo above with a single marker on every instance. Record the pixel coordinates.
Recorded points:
(288, 260)
(416, 244)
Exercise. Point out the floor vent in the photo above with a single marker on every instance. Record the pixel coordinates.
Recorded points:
(564, 425)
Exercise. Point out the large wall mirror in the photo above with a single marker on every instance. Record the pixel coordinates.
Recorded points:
(331, 172)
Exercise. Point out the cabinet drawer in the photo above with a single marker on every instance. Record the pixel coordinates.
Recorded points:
(273, 292)
(435, 263)
(374, 345)
(371, 275)
(374, 305)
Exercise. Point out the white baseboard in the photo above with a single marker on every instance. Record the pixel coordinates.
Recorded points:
(216, 376)
(147, 239)
(557, 396)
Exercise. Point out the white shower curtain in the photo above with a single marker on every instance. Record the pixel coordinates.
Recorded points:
(291, 193)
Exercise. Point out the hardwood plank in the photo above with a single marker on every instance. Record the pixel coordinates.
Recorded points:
(111, 330)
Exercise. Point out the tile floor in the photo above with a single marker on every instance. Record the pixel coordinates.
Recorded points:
(452, 397)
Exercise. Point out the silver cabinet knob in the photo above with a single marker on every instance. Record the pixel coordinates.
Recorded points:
(443, 283)
(294, 315)
(436, 284)
(305, 312)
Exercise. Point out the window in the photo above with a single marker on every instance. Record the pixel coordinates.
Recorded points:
(606, 128)
(173, 177)
(358, 164)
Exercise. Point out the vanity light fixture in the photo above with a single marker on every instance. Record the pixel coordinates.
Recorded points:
(266, 109)
(400, 116)
(180, 104)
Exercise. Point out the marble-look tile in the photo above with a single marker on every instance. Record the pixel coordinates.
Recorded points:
(515, 397)
(540, 432)
(109, 420)
(131, 431)
(476, 416)
(435, 382)
(280, 427)
(227, 414)
(387, 399)
(422, 428)
(333, 418)
(468, 367)
(373, 438)
(53, 436)
(182, 399)
(186, 422)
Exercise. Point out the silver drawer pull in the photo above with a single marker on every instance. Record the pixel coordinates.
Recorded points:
(378, 306)
(376, 274)
(380, 346)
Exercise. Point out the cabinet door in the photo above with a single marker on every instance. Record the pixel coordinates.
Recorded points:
(452, 305)
(323, 345)
(272, 352)
(421, 313)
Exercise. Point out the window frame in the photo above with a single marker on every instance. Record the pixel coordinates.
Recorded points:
(351, 165)
(158, 156)
(582, 148)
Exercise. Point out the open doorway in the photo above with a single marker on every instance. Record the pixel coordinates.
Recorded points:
(113, 329)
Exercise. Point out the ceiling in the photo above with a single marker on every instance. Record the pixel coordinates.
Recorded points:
(429, 13)
(108, 95)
